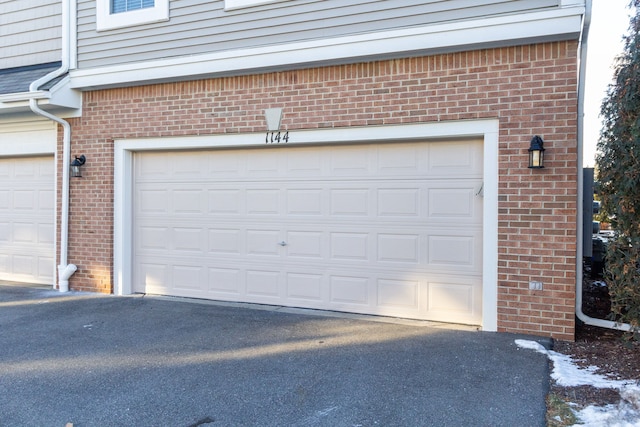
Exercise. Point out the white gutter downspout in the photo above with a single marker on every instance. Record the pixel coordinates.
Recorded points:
(64, 270)
(579, 274)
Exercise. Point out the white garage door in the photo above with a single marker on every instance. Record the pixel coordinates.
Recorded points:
(386, 229)
(26, 219)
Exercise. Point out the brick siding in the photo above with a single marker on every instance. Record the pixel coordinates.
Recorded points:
(530, 89)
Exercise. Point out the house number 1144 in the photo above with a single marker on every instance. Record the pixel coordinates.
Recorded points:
(277, 137)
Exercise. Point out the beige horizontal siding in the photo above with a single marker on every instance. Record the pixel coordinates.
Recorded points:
(30, 32)
(203, 26)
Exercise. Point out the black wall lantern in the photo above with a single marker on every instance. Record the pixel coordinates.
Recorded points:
(76, 164)
(536, 153)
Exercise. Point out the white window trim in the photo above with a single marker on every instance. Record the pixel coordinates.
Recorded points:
(240, 4)
(105, 20)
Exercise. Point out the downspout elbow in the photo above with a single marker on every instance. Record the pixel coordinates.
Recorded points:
(64, 273)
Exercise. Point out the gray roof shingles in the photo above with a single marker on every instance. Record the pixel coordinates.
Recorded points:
(17, 80)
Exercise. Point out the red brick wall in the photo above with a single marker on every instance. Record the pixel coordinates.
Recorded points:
(530, 89)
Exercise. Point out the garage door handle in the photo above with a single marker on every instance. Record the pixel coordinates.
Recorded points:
(283, 243)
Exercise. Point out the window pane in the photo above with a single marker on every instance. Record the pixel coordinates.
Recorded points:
(118, 6)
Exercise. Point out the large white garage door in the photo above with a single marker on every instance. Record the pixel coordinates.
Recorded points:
(26, 219)
(386, 229)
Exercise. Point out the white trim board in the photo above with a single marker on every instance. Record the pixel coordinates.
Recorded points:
(27, 138)
(510, 30)
(124, 150)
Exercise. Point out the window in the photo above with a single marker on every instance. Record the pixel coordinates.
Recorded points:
(111, 14)
(118, 6)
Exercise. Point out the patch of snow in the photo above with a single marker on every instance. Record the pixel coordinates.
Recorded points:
(567, 374)
(620, 415)
(531, 345)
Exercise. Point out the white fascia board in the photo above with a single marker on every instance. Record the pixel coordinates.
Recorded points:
(19, 102)
(560, 24)
(23, 96)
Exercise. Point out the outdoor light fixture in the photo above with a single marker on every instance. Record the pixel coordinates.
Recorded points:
(76, 164)
(536, 153)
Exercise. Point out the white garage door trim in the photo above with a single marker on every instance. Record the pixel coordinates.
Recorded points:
(36, 138)
(486, 129)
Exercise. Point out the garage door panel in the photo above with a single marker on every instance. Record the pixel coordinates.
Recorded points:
(263, 201)
(4, 200)
(349, 290)
(394, 202)
(455, 159)
(44, 263)
(350, 202)
(404, 159)
(186, 278)
(263, 242)
(24, 200)
(304, 286)
(225, 281)
(399, 248)
(349, 246)
(26, 219)
(25, 265)
(263, 283)
(153, 201)
(305, 163)
(457, 249)
(351, 161)
(305, 244)
(454, 205)
(5, 232)
(45, 233)
(152, 278)
(378, 229)
(46, 201)
(399, 294)
(265, 164)
(224, 241)
(453, 295)
(189, 239)
(307, 201)
(24, 233)
(153, 165)
(187, 168)
(224, 201)
(188, 201)
(225, 164)
(154, 238)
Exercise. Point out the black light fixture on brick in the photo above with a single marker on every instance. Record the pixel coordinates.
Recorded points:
(76, 164)
(536, 153)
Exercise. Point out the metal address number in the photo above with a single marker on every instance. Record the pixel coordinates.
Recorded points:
(277, 137)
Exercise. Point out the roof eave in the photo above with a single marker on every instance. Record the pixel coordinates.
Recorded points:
(60, 98)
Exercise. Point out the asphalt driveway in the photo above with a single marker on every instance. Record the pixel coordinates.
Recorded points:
(97, 360)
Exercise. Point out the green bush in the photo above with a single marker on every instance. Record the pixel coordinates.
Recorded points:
(618, 164)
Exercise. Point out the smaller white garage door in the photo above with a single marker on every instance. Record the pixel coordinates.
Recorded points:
(387, 229)
(26, 219)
